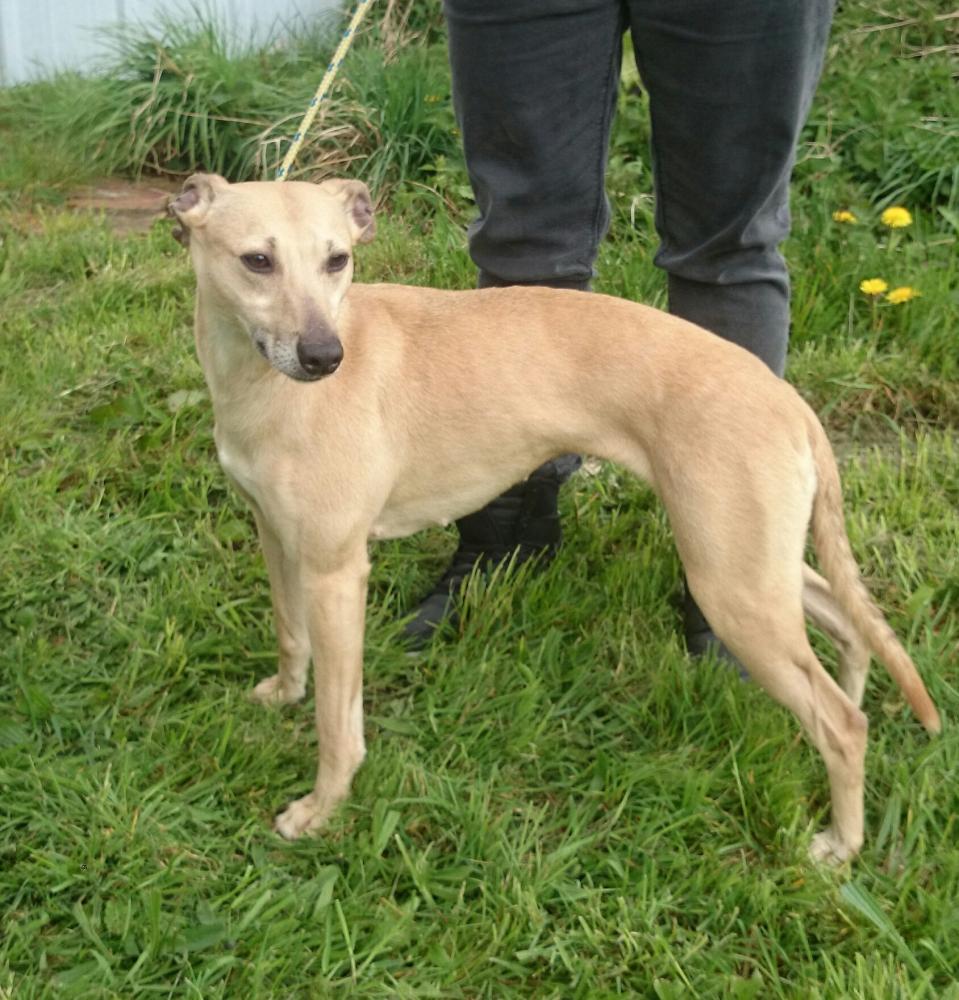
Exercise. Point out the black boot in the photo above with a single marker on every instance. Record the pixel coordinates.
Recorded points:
(524, 521)
(700, 637)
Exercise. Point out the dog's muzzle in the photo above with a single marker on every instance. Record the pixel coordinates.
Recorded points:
(319, 358)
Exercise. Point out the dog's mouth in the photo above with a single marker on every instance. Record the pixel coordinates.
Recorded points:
(259, 342)
(302, 375)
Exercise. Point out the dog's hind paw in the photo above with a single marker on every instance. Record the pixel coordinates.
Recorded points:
(273, 691)
(828, 849)
(306, 815)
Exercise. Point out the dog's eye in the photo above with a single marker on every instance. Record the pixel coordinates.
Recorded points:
(258, 262)
(337, 262)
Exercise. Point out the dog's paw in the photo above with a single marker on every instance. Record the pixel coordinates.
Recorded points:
(304, 816)
(273, 691)
(827, 849)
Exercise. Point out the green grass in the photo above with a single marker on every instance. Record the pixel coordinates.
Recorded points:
(555, 804)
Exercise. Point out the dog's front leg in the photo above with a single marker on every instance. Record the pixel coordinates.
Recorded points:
(288, 684)
(335, 603)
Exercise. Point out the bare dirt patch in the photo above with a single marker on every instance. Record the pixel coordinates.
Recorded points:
(129, 206)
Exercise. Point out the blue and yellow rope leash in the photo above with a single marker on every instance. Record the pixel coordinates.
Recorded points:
(323, 91)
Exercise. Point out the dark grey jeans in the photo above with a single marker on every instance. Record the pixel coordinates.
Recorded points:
(730, 83)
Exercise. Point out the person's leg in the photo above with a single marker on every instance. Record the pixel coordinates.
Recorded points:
(730, 83)
(534, 88)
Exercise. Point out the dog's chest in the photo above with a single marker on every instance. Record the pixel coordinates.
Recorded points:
(393, 523)
(237, 465)
(428, 505)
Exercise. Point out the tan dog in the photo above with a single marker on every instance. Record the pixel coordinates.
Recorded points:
(350, 412)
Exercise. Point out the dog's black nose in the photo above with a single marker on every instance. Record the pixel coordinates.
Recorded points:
(319, 357)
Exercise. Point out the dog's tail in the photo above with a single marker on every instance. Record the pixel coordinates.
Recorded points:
(839, 567)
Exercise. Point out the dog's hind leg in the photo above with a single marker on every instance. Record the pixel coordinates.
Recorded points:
(822, 609)
(764, 627)
(288, 684)
(335, 599)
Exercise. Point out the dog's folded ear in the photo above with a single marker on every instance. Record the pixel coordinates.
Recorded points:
(191, 205)
(356, 199)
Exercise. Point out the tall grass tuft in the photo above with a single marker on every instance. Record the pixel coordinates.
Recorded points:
(189, 96)
(893, 125)
(175, 99)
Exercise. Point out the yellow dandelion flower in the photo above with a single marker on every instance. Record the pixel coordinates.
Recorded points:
(896, 217)
(902, 294)
(844, 215)
(873, 286)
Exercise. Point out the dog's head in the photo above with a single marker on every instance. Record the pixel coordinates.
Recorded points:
(276, 260)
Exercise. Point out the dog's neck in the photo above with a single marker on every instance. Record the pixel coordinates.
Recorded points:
(230, 362)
